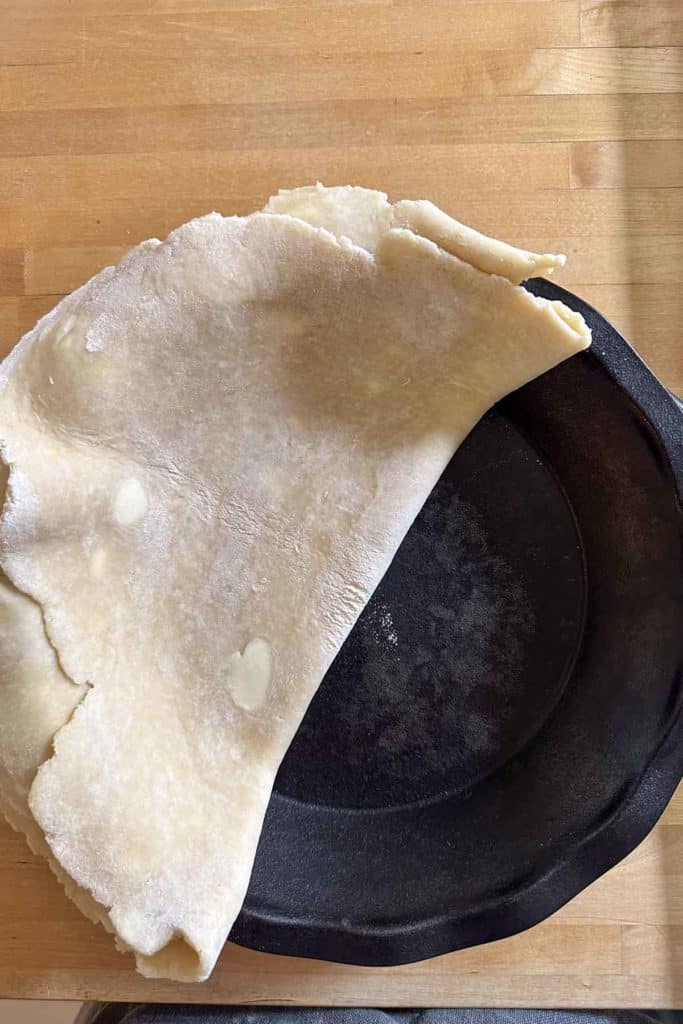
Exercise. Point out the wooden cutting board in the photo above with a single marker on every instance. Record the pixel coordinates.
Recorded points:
(556, 124)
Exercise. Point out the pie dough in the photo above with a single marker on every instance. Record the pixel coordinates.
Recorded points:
(215, 449)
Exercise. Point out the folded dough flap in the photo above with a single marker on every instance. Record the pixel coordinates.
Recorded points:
(364, 215)
(217, 448)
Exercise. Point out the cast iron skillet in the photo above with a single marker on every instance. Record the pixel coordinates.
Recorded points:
(504, 722)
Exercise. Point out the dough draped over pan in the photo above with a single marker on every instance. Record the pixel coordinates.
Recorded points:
(215, 449)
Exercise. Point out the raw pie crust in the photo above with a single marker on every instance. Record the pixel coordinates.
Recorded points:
(215, 449)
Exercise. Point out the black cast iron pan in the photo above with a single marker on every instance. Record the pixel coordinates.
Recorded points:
(504, 722)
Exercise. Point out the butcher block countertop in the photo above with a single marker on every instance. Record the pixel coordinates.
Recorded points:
(555, 124)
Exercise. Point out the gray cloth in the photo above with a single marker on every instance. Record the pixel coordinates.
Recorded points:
(147, 1013)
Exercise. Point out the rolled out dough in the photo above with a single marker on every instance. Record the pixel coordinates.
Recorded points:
(215, 449)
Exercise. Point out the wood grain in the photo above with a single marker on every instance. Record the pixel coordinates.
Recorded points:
(11, 271)
(208, 174)
(626, 165)
(419, 25)
(557, 124)
(340, 124)
(346, 76)
(622, 259)
(631, 22)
